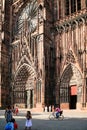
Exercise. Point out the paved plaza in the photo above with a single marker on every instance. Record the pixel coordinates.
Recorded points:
(74, 120)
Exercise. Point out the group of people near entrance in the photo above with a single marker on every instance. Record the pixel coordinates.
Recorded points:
(11, 123)
(55, 109)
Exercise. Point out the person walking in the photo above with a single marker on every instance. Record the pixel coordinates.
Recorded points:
(28, 123)
(8, 114)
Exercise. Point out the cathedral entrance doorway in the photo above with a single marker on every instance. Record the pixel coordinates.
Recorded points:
(24, 85)
(71, 88)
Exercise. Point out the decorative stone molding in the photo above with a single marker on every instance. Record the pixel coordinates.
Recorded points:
(70, 57)
(70, 24)
(60, 29)
(40, 38)
(17, 5)
(80, 22)
(73, 25)
(67, 27)
(41, 13)
(85, 18)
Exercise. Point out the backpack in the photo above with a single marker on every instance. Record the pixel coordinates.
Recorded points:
(9, 116)
(8, 126)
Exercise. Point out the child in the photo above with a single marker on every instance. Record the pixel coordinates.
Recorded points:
(9, 126)
(15, 124)
(28, 122)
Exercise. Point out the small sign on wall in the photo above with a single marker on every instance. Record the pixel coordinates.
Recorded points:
(74, 90)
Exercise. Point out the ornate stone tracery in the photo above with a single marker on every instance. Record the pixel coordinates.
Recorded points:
(72, 23)
(70, 57)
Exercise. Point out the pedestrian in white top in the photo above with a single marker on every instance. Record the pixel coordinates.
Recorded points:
(28, 123)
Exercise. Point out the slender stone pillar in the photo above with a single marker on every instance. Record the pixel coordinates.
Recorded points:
(0, 43)
(28, 99)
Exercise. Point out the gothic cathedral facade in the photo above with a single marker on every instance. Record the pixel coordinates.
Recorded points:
(43, 57)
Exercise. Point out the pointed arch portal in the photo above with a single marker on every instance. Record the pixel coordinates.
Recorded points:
(24, 85)
(71, 87)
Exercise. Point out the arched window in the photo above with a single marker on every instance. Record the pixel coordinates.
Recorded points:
(66, 7)
(78, 4)
(60, 9)
(72, 6)
(86, 2)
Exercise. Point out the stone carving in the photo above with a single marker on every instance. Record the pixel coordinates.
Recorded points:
(70, 57)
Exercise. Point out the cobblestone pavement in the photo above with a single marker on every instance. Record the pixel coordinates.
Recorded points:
(74, 120)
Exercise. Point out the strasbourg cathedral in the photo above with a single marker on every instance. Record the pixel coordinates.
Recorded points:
(43, 53)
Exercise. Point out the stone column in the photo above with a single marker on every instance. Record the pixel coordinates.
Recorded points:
(28, 99)
(35, 94)
(0, 43)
